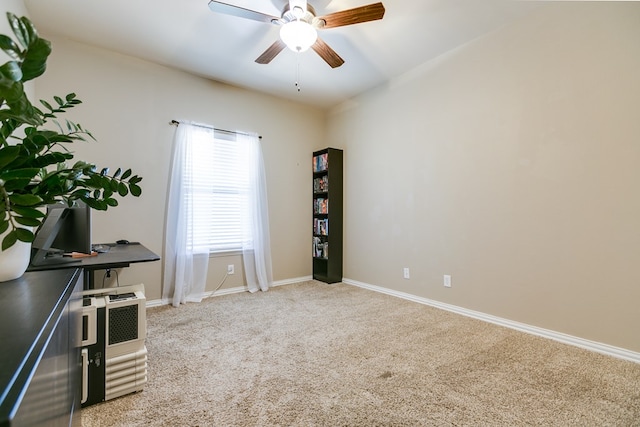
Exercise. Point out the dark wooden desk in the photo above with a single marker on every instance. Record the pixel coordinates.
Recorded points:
(118, 256)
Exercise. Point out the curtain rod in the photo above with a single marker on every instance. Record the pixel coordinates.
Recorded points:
(176, 123)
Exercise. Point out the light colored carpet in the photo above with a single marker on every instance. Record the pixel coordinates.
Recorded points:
(313, 354)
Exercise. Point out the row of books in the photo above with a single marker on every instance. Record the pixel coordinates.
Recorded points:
(321, 206)
(321, 227)
(320, 248)
(321, 162)
(321, 185)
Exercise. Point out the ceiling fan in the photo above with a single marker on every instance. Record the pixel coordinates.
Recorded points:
(299, 25)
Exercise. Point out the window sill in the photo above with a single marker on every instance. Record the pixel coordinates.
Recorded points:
(221, 254)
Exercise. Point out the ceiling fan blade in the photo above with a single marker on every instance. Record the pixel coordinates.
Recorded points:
(329, 55)
(371, 12)
(273, 50)
(241, 12)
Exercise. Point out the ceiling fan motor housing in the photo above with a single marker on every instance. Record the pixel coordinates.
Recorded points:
(308, 16)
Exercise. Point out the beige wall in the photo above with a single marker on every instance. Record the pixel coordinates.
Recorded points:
(512, 164)
(128, 103)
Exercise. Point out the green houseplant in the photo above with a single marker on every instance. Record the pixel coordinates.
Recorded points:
(36, 167)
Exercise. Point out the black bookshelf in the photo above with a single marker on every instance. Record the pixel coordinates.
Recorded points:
(327, 215)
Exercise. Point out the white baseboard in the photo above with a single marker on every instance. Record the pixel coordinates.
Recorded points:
(156, 303)
(228, 291)
(609, 350)
(292, 281)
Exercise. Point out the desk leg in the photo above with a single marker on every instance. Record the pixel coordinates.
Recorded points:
(89, 280)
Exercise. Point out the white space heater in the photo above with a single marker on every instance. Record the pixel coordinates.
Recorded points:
(114, 355)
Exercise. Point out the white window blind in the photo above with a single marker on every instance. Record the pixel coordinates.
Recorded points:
(217, 173)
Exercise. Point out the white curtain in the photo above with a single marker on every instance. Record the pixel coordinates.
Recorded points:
(185, 264)
(256, 244)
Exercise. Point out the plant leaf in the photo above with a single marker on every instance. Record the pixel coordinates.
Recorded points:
(9, 47)
(18, 29)
(28, 212)
(16, 184)
(81, 193)
(19, 173)
(135, 190)
(25, 199)
(89, 201)
(8, 154)
(35, 62)
(122, 189)
(46, 104)
(24, 235)
(11, 71)
(31, 35)
(30, 222)
(9, 240)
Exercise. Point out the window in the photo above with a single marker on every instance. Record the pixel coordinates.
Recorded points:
(217, 203)
(217, 190)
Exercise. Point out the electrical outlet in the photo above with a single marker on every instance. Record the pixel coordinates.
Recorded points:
(231, 269)
(406, 273)
(447, 281)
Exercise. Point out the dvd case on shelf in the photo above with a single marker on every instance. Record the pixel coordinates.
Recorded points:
(320, 248)
(321, 185)
(321, 227)
(320, 162)
(321, 206)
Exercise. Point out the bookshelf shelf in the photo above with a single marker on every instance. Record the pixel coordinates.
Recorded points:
(327, 215)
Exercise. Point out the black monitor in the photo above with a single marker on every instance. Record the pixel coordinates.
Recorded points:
(64, 230)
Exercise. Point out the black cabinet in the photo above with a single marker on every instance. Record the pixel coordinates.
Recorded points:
(327, 215)
(40, 331)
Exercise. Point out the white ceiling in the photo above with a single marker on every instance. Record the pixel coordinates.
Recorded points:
(185, 34)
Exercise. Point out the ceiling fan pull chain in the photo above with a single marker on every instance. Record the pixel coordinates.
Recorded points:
(298, 71)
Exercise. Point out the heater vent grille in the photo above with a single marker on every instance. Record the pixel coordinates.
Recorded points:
(123, 324)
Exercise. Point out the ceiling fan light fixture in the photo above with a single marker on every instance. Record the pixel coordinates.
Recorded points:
(299, 36)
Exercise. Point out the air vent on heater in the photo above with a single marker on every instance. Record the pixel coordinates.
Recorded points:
(123, 324)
